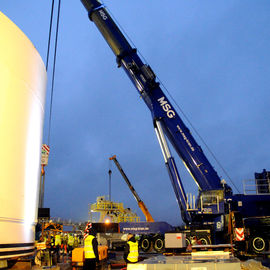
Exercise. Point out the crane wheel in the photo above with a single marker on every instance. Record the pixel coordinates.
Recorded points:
(158, 243)
(145, 243)
(204, 241)
(258, 244)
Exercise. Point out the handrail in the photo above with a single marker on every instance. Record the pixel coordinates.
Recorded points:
(256, 186)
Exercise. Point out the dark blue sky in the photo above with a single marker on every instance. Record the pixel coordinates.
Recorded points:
(212, 56)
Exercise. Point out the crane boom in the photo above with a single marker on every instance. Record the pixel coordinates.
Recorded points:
(141, 204)
(167, 122)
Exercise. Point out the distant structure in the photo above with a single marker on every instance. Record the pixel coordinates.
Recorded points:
(110, 211)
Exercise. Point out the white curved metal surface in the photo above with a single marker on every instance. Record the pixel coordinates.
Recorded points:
(22, 100)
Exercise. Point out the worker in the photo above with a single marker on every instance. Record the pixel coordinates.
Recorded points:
(58, 243)
(58, 240)
(62, 248)
(131, 253)
(65, 242)
(90, 248)
(70, 244)
(52, 251)
(52, 243)
(76, 241)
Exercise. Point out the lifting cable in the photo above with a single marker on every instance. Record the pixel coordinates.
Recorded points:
(42, 174)
(185, 116)
(49, 39)
(54, 60)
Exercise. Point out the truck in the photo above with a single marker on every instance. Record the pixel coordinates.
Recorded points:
(217, 215)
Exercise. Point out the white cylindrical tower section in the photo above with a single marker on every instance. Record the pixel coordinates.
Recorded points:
(22, 100)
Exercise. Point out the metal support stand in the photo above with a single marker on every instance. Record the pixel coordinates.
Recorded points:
(42, 186)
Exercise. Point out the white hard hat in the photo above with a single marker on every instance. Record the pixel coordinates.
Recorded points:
(124, 237)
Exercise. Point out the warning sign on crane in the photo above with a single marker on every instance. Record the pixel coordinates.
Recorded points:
(45, 150)
(239, 234)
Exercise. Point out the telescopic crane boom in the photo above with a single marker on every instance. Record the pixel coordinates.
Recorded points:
(138, 199)
(167, 123)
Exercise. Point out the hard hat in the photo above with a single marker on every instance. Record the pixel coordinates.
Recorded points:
(124, 237)
(129, 236)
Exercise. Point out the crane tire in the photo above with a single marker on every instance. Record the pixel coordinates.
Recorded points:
(258, 244)
(146, 244)
(158, 243)
(204, 241)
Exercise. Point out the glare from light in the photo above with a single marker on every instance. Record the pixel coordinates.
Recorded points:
(107, 221)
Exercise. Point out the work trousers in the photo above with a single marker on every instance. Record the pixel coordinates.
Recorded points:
(89, 264)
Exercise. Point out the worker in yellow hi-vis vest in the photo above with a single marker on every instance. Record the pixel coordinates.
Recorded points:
(90, 248)
(131, 253)
(57, 245)
(70, 244)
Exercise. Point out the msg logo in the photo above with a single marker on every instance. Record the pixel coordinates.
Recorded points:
(166, 107)
(103, 15)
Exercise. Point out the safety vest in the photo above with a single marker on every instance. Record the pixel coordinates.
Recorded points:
(76, 241)
(58, 241)
(52, 241)
(88, 247)
(70, 240)
(133, 254)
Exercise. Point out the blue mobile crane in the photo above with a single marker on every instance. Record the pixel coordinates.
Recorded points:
(243, 219)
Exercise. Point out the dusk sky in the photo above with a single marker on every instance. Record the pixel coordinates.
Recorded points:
(213, 58)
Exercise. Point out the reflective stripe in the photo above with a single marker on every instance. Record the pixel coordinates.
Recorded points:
(133, 251)
(88, 247)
